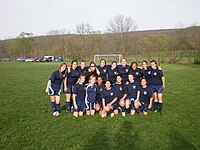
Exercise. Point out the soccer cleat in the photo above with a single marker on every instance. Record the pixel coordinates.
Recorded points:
(129, 115)
(57, 113)
(123, 114)
(140, 114)
(54, 113)
(112, 114)
(155, 110)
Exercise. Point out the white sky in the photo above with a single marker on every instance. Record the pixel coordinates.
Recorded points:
(41, 16)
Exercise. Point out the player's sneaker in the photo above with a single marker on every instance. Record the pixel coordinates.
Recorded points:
(123, 114)
(57, 113)
(155, 110)
(112, 114)
(140, 114)
(54, 113)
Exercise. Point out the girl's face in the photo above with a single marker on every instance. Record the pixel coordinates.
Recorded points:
(92, 67)
(119, 79)
(74, 65)
(144, 65)
(108, 84)
(93, 80)
(114, 65)
(99, 80)
(82, 79)
(134, 66)
(124, 62)
(143, 82)
(153, 65)
(82, 64)
(102, 63)
(63, 68)
(130, 77)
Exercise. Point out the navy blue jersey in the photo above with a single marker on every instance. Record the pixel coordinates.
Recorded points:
(131, 89)
(147, 75)
(82, 71)
(137, 73)
(123, 71)
(156, 76)
(99, 91)
(112, 74)
(56, 79)
(91, 92)
(103, 71)
(72, 77)
(79, 90)
(109, 95)
(120, 90)
(145, 95)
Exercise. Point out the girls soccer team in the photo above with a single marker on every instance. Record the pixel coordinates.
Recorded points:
(107, 89)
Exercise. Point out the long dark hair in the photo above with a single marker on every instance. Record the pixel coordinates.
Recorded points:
(122, 83)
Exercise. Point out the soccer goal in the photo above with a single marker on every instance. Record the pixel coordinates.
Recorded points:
(108, 57)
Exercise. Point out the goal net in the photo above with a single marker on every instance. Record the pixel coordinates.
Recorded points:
(108, 57)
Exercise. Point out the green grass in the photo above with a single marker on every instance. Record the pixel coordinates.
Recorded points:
(27, 123)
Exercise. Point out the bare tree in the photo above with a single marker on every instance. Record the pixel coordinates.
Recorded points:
(121, 25)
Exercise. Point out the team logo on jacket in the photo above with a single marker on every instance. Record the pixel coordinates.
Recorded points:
(104, 70)
(111, 94)
(137, 73)
(149, 72)
(155, 73)
(126, 70)
(115, 73)
(134, 87)
(120, 88)
(145, 92)
(101, 89)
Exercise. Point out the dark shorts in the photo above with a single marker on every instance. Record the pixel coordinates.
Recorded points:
(81, 106)
(53, 91)
(157, 88)
(100, 103)
(115, 106)
(144, 106)
(90, 106)
(69, 89)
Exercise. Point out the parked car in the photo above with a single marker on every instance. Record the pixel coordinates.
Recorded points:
(29, 60)
(21, 59)
(40, 59)
(6, 59)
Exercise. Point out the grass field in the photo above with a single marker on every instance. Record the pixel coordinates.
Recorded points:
(27, 123)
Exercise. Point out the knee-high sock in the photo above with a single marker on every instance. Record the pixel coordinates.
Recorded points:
(67, 106)
(53, 106)
(57, 107)
(128, 110)
(123, 109)
(156, 105)
(160, 106)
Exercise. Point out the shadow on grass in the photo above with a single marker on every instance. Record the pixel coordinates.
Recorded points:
(98, 141)
(179, 142)
(127, 137)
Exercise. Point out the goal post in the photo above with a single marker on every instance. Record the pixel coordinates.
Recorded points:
(108, 57)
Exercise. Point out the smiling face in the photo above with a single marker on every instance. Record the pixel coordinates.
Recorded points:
(100, 80)
(92, 67)
(82, 79)
(119, 79)
(74, 65)
(108, 84)
(123, 62)
(82, 64)
(92, 80)
(134, 66)
(114, 65)
(153, 65)
(144, 64)
(131, 77)
(102, 63)
(143, 82)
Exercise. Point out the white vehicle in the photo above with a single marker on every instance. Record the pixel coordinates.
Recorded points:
(29, 60)
(49, 58)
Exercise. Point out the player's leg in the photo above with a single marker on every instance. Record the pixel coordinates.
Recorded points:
(127, 105)
(155, 101)
(53, 104)
(138, 105)
(122, 105)
(57, 105)
(160, 102)
(92, 112)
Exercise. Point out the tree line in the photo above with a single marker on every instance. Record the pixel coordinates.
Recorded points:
(166, 46)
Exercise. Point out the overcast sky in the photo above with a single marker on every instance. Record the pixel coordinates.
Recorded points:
(41, 16)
